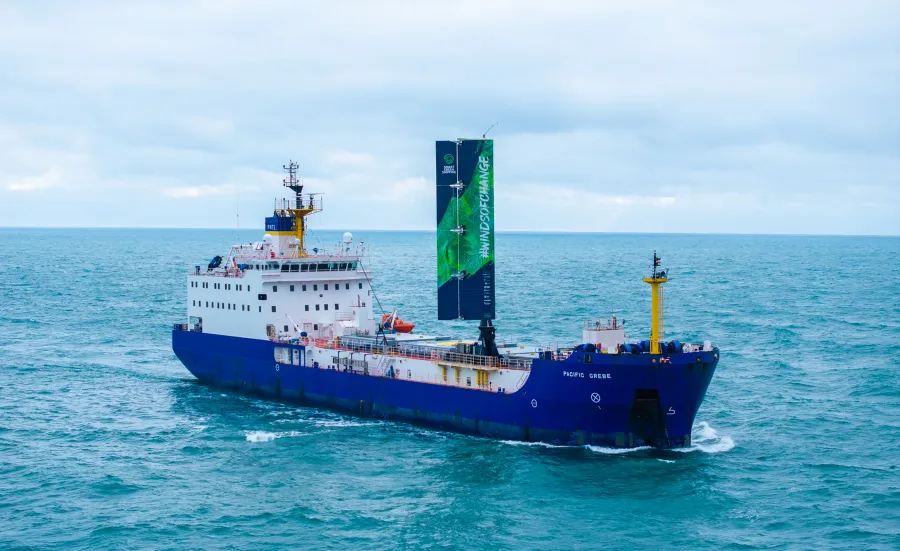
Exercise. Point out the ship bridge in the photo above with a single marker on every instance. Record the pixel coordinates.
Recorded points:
(279, 287)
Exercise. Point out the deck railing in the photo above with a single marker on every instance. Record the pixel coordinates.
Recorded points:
(421, 353)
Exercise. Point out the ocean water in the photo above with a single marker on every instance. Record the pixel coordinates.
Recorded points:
(107, 442)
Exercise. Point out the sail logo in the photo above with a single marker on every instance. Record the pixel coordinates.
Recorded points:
(449, 166)
(484, 191)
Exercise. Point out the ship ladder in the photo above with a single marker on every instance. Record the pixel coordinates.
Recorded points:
(382, 364)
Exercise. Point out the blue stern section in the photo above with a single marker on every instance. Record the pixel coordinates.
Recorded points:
(618, 400)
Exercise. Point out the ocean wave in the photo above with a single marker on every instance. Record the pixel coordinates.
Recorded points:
(257, 436)
(615, 451)
(342, 423)
(705, 439)
(596, 449)
(532, 444)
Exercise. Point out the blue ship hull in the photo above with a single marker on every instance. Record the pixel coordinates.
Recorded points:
(608, 400)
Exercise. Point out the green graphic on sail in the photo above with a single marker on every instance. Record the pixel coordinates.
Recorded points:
(465, 229)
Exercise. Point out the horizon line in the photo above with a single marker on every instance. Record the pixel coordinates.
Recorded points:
(431, 230)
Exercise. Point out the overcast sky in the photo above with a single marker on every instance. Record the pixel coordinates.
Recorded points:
(750, 117)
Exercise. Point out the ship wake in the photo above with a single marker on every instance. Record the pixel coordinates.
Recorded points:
(706, 439)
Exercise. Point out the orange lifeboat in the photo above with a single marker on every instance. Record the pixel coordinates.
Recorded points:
(393, 323)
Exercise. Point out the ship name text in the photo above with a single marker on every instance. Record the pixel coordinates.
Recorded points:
(580, 375)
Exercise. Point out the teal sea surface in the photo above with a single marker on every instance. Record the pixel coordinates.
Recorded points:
(107, 442)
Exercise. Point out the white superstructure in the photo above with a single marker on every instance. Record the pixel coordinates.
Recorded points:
(278, 290)
(259, 293)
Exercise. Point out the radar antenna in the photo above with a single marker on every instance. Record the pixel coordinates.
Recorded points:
(484, 136)
(292, 182)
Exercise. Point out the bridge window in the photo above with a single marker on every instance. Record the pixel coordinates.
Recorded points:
(303, 288)
(285, 268)
(326, 307)
(336, 307)
(274, 288)
(315, 287)
(343, 266)
(292, 288)
(347, 286)
(273, 307)
(295, 268)
(326, 286)
(317, 307)
(360, 285)
(304, 267)
(285, 329)
(306, 307)
(323, 267)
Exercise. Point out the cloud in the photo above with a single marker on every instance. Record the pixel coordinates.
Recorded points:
(207, 128)
(771, 113)
(565, 195)
(50, 179)
(348, 159)
(198, 191)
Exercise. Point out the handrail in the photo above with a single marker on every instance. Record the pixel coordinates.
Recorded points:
(433, 355)
(238, 274)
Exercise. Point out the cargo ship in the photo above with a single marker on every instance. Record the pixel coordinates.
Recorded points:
(285, 321)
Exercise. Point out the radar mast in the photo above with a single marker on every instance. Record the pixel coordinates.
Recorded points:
(301, 207)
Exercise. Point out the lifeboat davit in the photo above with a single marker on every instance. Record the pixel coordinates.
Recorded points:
(393, 323)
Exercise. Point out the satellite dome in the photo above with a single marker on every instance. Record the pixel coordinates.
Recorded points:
(348, 237)
(267, 238)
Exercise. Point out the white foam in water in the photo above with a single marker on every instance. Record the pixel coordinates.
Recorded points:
(704, 438)
(259, 436)
(538, 444)
(615, 451)
(263, 436)
(341, 423)
(596, 449)
(665, 460)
